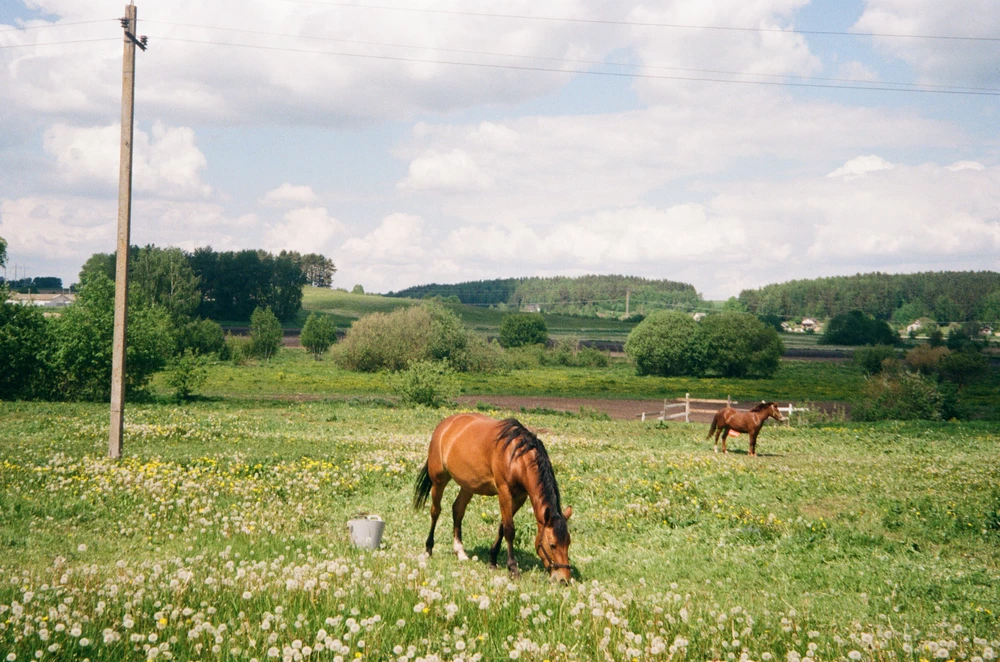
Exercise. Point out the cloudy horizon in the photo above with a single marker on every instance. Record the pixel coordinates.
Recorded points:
(724, 144)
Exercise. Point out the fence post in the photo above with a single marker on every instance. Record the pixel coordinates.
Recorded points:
(729, 400)
(791, 408)
(664, 409)
(687, 407)
(644, 416)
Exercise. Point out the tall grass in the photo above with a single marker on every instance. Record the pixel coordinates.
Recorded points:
(221, 535)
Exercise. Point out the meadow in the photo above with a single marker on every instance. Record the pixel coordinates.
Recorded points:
(221, 535)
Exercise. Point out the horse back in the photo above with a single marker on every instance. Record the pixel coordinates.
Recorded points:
(464, 447)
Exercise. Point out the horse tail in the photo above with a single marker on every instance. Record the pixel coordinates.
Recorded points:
(422, 488)
(711, 430)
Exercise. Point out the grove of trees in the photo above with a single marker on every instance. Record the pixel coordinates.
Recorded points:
(586, 295)
(946, 296)
(731, 344)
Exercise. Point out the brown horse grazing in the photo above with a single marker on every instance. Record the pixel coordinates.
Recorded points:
(742, 421)
(486, 456)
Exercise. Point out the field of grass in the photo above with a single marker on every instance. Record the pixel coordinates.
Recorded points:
(344, 308)
(221, 535)
(295, 373)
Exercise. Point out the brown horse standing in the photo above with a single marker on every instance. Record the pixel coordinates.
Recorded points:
(486, 456)
(742, 421)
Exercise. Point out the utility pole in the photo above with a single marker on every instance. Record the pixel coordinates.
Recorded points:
(124, 221)
(627, 293)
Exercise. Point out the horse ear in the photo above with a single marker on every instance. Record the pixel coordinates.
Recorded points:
(568, 512)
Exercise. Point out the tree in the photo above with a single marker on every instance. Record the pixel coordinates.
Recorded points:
(991, 308)
(519, 329)
(26, 344)
(187, 374)
(3, 251)
(856, 328)
(82, 357)
(318, 270)
(318, 334)
(739, 345)
(265, 334)
(666, 343)
(357, 289)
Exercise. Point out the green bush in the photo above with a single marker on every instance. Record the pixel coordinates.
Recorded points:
(898, 396)
(187, 373)
(740, 345)
(26, 345)
(84, 334)
(520, 329)
(203, 337)
(318, 334)
(925, 359)
(483, 356)
(869, 359)
(591, 357)
(856, 328)
(237, 349)
(666, 343)
(963, 367)
(427, 383)
(265, 334)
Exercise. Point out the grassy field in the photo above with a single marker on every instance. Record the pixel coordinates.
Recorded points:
(295, 373)
(221, 535)
(344, 308)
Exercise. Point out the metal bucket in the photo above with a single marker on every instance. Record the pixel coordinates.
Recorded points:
(366, 533)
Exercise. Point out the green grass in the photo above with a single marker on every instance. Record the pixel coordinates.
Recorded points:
(345, 308)
(294, 372)
(869, 542)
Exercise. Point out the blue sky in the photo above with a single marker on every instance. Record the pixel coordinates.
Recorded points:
(405, 169)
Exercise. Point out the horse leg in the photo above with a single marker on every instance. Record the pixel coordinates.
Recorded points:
(457, 513)
(753, 442)
(437, 491)
(495, 549)
(725, 435)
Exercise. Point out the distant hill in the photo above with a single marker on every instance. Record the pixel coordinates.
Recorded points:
(585, 295)
(947, 296)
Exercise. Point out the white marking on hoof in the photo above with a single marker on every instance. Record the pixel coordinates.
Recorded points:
(460, 551)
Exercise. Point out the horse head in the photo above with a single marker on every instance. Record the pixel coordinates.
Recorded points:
(552, 544)
(774, 412)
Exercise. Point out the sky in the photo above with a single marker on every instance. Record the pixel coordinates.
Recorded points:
(726, 143)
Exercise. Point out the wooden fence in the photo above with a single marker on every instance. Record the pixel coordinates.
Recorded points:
(670, 409)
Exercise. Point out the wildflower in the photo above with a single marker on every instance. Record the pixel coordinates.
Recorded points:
(81, 548)
(854, 655)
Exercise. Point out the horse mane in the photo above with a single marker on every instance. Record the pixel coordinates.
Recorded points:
(525, 441)
(762, 406)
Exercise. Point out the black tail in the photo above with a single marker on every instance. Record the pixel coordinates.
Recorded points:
(422, 488)
(711, 429)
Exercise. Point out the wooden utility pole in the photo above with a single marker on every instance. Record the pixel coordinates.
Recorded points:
(124, 221)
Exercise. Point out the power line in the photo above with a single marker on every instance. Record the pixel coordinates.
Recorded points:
(585, 72)
(56, 25)
(60, 43)
(569, 60)
(645, 24)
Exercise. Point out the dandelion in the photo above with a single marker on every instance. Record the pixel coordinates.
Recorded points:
(81, 547)
(84, 642)
(854, 655)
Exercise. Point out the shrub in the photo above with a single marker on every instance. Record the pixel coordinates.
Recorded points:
(925, 358)
(427, 383)
(26, 345)
(318, 334)
(869, 359)
(666, 343)
(740, 345)
(520, 329)
(265, 334)
(591, 357)
(962, 368)
(485, 356)
(237, 349)
(900, 396)
(83, 346)
(856, 328)
(202, 337)
(187, 374)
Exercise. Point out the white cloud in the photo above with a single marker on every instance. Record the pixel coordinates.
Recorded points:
(57, 228)
(454, 171)
(398, 239)
(941, 61)
(860, 166)
(306, 230)
(289, 194)
(165, 161)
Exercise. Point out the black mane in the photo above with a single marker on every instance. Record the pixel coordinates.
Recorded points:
(525, 441)
(762, 406)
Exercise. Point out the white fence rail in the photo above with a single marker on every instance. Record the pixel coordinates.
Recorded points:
(670, 409)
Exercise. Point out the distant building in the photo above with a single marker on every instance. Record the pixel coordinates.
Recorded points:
(531, 308)
(809, 323)
(698, 317)
(44, 300)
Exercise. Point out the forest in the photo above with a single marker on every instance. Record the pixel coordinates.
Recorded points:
(945, 296)
(585, 295)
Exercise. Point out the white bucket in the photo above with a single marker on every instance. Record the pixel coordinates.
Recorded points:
(366, 533)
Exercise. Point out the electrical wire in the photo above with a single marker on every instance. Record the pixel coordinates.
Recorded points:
(645, 24)
(57, 25)
(568, 60)
(585, 72)
(59, 43)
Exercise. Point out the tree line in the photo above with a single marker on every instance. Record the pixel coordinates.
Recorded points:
(946, 296)
(584, 295)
